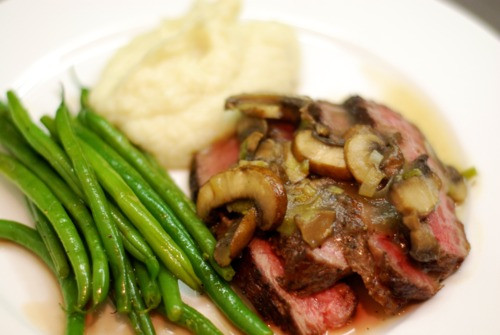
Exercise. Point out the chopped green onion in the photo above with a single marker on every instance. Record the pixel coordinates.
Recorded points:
(469, 173)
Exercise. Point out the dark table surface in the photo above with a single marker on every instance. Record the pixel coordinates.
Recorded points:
(487, 11)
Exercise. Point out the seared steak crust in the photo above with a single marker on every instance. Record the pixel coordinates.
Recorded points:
(309, 270)
(257, 277)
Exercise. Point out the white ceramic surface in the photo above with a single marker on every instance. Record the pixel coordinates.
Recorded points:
(426, 57)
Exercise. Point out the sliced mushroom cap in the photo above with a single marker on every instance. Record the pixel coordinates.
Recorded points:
(363, 154)
(268, 106)
(418, 194)
(324, 159)
(248, 125)
(236, 238)
(457, 188)
(251, 182)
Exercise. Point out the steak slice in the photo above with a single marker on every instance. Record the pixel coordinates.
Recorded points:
(412, 142)
(449, 232)
(308, 270)
(445, 226)
(389, 275)
(395, 269)
(335, 117)
(380, 258)
(216, 158)
(258, 278)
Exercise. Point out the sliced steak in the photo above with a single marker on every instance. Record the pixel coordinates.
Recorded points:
(281, 131)
(294, 276)
(258, 276)
(396, 270)
(308, 270)
(389, 275)
(411, 141)
(449, 232)
(310, 267)
(334, 116)
(447, 229)
(377, 252)
(222, 154)
(216, 158)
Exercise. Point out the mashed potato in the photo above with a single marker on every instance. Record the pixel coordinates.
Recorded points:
(166, 88)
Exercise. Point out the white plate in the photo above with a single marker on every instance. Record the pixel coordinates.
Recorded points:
(426, 58)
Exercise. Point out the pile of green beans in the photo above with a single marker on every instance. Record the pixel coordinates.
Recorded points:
(111, 223)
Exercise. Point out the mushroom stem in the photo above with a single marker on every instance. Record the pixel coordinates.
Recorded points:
(236, 238)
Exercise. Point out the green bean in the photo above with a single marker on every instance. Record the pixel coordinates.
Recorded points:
(138, 307)
(47, 202)
(139, 319)
(171, 295)
(165, 186)
(75, 319)
(143, 191)
(220, 292)
(17, 146)
(51, 241)
(146, 194)
(132, 250)
(84, 98)
(42, 143)
(148, 286)
(133, 241)
(162, 244)
(161, 181)
(134, 321)
(4, 110)
(31, 240)
(136, 254)
(155, 165)
(27, 237)
(50, 124)
(196, 322)
(98, 205)
(179, 312)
